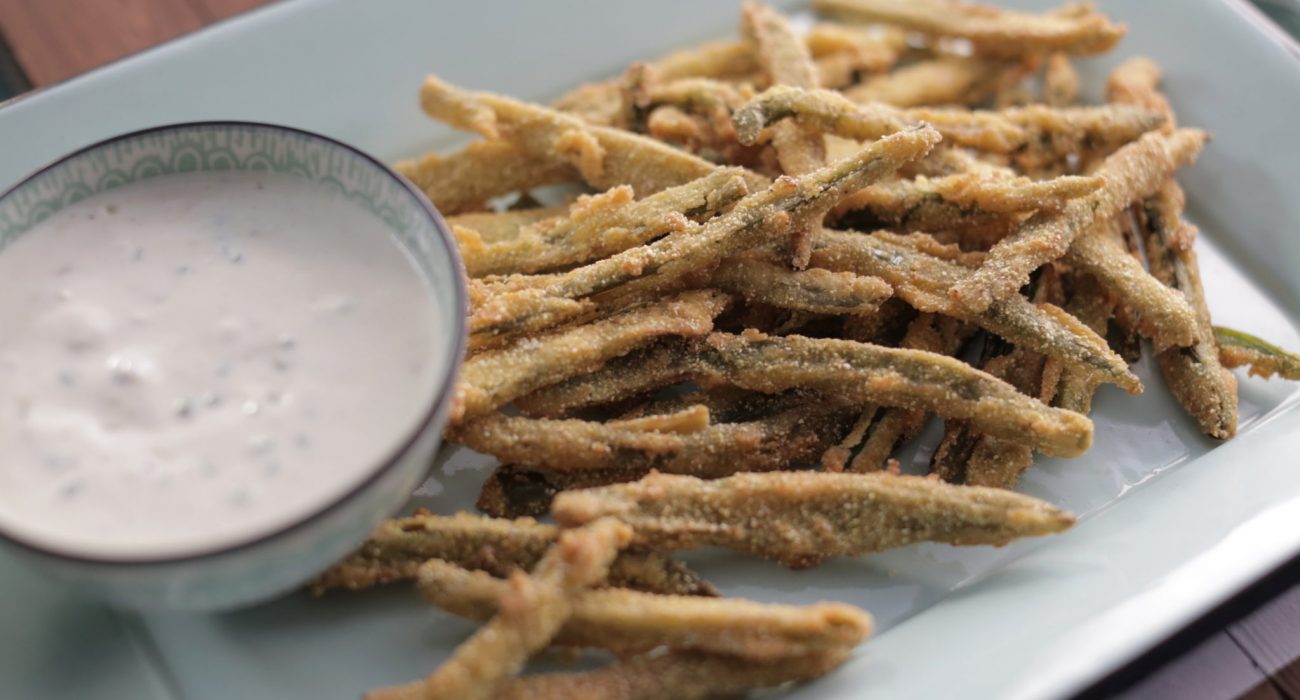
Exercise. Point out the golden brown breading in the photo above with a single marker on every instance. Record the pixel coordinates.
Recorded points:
(803, 518)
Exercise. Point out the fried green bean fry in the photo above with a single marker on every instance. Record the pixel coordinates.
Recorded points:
(803, 518)
(1205, 389)
(923, 280)
(792, 431)
(397, 548)
(836, 458)
(1016, 130)
(609, 223)
(1093, 307)
(532, 608)
(1136, 82)
(894, 426)
(1060, 81)
(653, 367)
(864, 373)
(466, 180)
(717, 59)
(789, 431)
(785, 59)
(603, 156)
(628, 622)
(786, 206)
(844, 54)
(1161, 313)
(497, 377)
(1134, 171)
(496, 226)
(965, 456)
(1237, 349)
(974, 206)
(599, 104)
(992, 31)
(571, 444)
(947, 80)
(817, 291)
(687, 676)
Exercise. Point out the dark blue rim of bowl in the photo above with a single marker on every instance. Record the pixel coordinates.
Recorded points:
(436, 407)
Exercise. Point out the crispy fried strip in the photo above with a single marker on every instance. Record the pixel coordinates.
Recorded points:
(785, 59)
(911, 206)
(1019, 194)
(786, 206)
(497, 226)
(672, 125)
(1162, 314)
(1135, 82)
(1205, 389)
(1089, 303)
(691, 419)
(961, 80)
(844, 54)
(795, 434)
(818, 291)
(601, 225)
(1237, 349)
(992, 31)
(656, 366)
(706, 102)
(397, 548)
(671, 677)
(836, 458)
(599, 104)
(719, 59)
(864, 373)
(922, 280)
(940, 334)
(1054, 129)
(588, 445)
(532, 608)
(603, 156)
(467, 179)
(497, 377)
(629, 622)
(718, 450)
(1132, 172)
(697, 95)
(1060, 81)
(494, 318)
(969, 203)
(991, 461)
(803, 518)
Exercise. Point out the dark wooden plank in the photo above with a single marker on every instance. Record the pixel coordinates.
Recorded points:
(1216, 669)
(215, 10)
(1271, 637)
(57, 39)
(12, 79)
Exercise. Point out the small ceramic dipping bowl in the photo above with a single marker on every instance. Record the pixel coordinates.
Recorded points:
(60, 447)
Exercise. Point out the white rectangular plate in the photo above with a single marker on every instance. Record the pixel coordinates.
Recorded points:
(1171, 523)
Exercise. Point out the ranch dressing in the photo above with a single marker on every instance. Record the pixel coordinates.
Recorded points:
(191, 362)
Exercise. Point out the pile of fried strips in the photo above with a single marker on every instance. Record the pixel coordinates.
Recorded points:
(794, 249)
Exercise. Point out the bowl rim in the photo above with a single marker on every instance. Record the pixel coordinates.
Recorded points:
(437, 405)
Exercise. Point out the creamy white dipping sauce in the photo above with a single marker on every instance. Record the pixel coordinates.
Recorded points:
(193, 361)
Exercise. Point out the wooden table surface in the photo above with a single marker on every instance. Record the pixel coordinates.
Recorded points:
(1256, 657)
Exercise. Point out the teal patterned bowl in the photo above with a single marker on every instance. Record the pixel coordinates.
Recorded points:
(277, 561)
